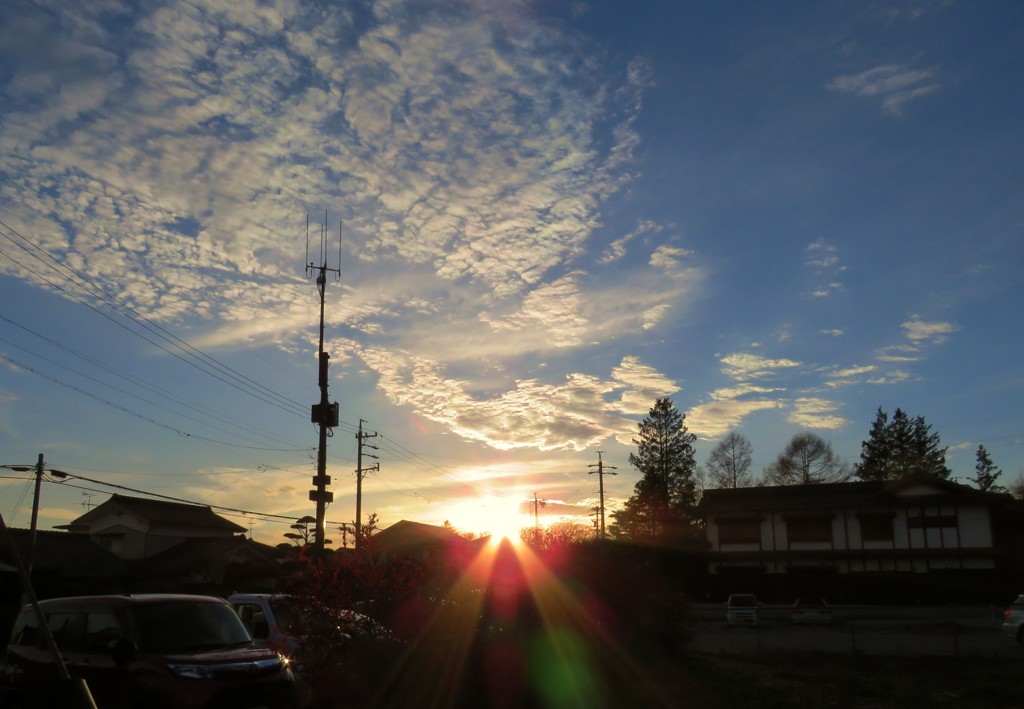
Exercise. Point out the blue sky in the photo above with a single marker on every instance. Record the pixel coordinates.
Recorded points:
(782, 215)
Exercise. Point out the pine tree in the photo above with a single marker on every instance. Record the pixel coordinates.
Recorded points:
(986, 472)
(900, 448)
(875, 452)
(662, 508)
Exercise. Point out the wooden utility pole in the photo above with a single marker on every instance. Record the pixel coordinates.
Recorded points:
(360, 472)
(601, 471)
(536, 516)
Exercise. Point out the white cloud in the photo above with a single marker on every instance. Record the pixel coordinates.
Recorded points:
(895, 84)
(617, 249)
(575, 414)
(743, 365)
(812, 412)
(717, 418)
(823, 260)
(468, 165)
(922, 332)
(668, 257)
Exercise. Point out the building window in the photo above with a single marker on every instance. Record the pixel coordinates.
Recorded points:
(739, 531)
(809, 529)
(931, 521)
(876, 528)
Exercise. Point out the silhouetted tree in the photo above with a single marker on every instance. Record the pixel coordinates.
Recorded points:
(900, 448)
(1017, 487)
(985, 472)
(807, 459)
(662, 506)
(557, 536)
(303, 534)
(730, 461)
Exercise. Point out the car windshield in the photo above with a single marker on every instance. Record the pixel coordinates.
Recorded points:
(179, 626)
(742, 601)
(811, 603)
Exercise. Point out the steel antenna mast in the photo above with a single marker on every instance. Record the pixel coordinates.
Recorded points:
(325, 413)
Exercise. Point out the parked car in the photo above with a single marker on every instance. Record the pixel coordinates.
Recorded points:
(149, 650)
(281, 622)
(1013, 619)
(811, 611)
(742, 609)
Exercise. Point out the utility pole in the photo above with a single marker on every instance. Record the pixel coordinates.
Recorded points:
(33, 526)
(536, 504)
(39, 469)
(360, 470)
(325, 413)
(601, 471)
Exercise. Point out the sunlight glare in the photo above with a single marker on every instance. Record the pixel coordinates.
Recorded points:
(499, 516)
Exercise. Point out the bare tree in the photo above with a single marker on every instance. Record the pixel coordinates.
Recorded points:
(807, 458)
(729, 462)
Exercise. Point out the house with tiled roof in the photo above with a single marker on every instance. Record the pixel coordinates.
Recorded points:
(419, 540)
(867, 540)
(219, 565)
(138, 528)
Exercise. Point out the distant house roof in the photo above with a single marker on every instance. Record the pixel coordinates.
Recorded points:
(405, 534)
(70, 554)
(190, 553)
(158, 513)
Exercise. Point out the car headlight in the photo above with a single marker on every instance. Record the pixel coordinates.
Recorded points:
(193, 671)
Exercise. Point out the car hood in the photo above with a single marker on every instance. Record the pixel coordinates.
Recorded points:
(244, 654)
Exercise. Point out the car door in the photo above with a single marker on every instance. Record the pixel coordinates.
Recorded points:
(83, 638)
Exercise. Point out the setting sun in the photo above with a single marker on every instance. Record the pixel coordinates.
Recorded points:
(499, 516)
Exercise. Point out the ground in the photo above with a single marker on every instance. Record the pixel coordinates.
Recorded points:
(821, 682)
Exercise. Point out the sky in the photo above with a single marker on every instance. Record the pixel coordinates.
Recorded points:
(536, 218)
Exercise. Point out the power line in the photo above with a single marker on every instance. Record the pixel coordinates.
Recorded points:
(169, 498)
(185, 352)
(125, 409)
(141, 383)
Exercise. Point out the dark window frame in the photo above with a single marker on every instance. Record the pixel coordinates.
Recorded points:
(809, 530)
(877, 528)
(740, 530)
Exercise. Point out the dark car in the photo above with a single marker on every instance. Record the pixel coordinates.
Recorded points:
(142, 652)
(811, 611)
(1013, 619)
(742, 609)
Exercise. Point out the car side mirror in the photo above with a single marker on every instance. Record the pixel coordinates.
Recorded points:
(122, 650)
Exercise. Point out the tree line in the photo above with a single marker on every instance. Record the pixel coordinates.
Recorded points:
(663, 507)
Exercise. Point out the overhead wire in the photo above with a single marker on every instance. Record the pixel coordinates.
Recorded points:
(133, 395)
(141, 383)
(168, 498)
(195, 356)
(183, 351)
